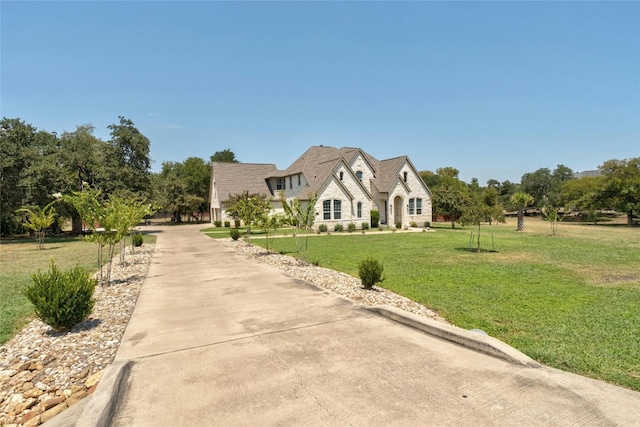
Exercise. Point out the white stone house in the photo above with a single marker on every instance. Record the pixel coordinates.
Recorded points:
(349, 182)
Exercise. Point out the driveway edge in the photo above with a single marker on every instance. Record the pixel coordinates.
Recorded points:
(473, 340)
(103, 404)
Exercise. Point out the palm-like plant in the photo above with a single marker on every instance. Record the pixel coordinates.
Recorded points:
(521, 201)
(38, 220)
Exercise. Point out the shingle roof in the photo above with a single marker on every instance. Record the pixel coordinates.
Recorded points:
(235, 178)
(388, 172)
(316, 164)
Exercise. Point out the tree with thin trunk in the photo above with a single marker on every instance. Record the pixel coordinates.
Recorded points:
(521, 201)
(38, 220)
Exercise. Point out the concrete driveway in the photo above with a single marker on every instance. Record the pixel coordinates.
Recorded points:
(217, 339)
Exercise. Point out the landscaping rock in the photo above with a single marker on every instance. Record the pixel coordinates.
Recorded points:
(42, 372)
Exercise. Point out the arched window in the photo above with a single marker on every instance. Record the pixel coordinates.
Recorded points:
(359, 210)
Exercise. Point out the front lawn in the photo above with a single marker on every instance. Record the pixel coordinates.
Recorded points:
(571, 301)
(20, 257)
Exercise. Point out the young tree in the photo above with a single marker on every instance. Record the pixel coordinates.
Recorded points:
(477, 211)
(553, 216)
(248, 208)
(302, 216)
(521, 201)
(38, 220)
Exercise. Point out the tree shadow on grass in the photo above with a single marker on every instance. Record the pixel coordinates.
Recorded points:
(475, 250)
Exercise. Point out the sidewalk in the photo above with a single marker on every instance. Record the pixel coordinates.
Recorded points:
(217, 339)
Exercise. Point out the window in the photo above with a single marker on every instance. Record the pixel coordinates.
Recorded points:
(359, 210)
(279, 185)
(359, 175)
(290, 182)
(326, 209)
(415, 205)
(341, 175)
(337, 209)
(404, 176)
(299, 179)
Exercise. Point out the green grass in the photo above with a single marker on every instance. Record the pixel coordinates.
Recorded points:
(20, 257)
(570, 301)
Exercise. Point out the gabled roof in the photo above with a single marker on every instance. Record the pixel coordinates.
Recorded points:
(388, 173)
(235, 178)
(317, 164)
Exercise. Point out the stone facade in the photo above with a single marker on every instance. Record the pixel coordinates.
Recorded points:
(349, 184)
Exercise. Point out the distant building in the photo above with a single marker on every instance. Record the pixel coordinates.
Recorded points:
(587, 173)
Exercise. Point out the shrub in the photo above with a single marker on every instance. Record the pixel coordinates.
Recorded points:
(427, 224)
(217, 223)
(375, 218)
(227, 224)
(235, 233)
(365, 225)
(351, 227)
(413, 224)
(137, 239)
(398, 225)
(322, 228)
(61, 299)
(338, 227)
(370, 272)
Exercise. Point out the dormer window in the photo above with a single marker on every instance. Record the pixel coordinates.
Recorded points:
(359, 175)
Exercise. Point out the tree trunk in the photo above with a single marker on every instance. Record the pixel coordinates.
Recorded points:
(76, 224)
(630, 217)
(520, 219)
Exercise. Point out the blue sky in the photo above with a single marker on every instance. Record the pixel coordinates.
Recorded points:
(495, 89)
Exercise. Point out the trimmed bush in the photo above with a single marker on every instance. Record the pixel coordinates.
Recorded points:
(338, 228)
(235, 233)
(398, 225)
(218, 224)
(427, 224)
(61, 299)
(137, 239)
(351, 227)
(370, 272)
(322, 228)
(413, 224)
(227, 224)
(365, 225)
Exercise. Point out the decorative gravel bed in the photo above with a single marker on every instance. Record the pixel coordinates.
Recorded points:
(43, 372)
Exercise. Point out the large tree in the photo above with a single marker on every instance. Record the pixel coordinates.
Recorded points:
(450, 195)
(225, 155)
(182, 188)
(128, 159)
(621, 185)
(545, 186)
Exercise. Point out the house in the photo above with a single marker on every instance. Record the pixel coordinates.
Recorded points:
(349, 182)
